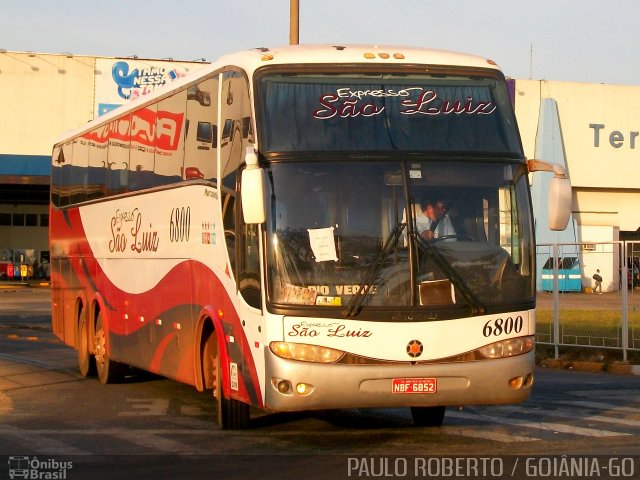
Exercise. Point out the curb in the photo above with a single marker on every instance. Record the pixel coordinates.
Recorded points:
(14, 285)
(614, 368)
(621, 368)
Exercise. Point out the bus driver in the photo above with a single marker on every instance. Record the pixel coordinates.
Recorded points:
(432, 220)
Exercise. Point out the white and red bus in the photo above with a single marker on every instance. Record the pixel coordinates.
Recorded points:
(253, 229)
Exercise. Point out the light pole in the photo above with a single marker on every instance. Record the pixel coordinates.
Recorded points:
(294, 22)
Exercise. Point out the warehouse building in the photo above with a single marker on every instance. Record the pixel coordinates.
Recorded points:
(42, 96)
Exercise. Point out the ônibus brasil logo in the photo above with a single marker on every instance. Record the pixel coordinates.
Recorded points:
(34, 468)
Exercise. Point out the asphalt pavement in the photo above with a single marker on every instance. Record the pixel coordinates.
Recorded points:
(25, 303)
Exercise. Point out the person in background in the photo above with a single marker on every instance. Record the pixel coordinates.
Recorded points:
(598, 279)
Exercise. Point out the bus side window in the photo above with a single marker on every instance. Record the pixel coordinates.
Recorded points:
(169, 139)
(229, 223)
(249, 266)
(66, 163)
(57, 160)
(242, 245)
(119, 146)
(201, 135)
(141, 157)
(236, 114)
(79, 169)
(98, 151)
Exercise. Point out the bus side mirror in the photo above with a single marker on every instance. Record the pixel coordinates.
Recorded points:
(559, 205)
(559, 200)
(252, 188)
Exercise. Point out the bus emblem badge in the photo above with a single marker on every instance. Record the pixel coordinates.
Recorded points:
(414, 348)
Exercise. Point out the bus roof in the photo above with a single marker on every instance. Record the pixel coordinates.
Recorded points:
(351, 54)
(251, 60)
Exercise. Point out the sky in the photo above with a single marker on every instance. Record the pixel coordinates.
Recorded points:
(593, 41)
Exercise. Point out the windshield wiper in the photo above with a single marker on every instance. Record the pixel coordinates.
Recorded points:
(363, 289)
(477, 307)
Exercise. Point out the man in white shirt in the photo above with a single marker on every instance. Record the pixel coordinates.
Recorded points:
(432, 220)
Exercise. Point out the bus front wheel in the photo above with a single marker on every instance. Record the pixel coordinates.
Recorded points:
(232, 414)
(428, 416)
(109, 371)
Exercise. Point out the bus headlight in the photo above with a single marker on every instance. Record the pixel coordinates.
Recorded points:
(305, 353)
(507, 348)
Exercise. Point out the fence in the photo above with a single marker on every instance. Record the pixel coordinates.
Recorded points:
(588, 295)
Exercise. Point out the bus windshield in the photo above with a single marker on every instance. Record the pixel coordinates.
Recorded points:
(339, 227)
(306, 112)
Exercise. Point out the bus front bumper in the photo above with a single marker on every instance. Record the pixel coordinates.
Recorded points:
(296, 386)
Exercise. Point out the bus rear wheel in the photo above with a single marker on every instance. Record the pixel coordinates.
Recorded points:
(232, 414)
(109, 371)
(428, 416)
(86, 360)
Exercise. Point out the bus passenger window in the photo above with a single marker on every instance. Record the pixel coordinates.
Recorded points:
(169, 139)
(57, 160)
(249, 266)
(229, 224)
(200, 138)
(79, 164)
(236, 112)
(65, 161)
(98, 150)
(143, 130)
(117, 167)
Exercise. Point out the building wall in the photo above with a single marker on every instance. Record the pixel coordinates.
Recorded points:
(23, 235)
(600, 133)
(42, 95)
(604, 256)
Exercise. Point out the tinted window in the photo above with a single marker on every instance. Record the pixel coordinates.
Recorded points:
(142, 157)
(65, 159)
(236, 110)
(78, 171)
(118, 156)
(169, 139)
(200, 143)
(304, 112)
(18, 219)
(98, 158)
(31, 220)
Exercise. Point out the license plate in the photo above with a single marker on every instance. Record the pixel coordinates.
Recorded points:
(414, 385)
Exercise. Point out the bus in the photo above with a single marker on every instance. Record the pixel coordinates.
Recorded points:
(569, 274)
(251, 230)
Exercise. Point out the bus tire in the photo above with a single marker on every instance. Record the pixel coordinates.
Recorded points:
(86, 360)
(109, 371)
(232, 414)
(427, 416)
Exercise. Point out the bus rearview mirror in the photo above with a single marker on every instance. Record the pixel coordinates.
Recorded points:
(559, 198)
(559, 206)
(252, 194)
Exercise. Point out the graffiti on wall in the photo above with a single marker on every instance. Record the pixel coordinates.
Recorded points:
(121, 80)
